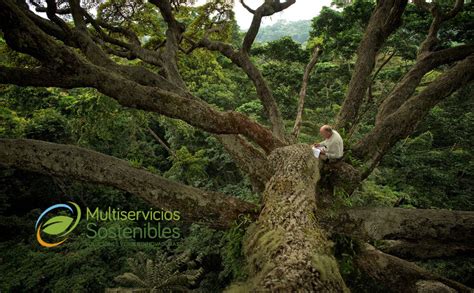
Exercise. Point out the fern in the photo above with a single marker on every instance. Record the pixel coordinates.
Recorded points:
(164, 273)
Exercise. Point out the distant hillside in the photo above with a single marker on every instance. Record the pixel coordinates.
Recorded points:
(297, 30)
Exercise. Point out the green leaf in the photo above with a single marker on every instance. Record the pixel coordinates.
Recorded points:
(57, 225)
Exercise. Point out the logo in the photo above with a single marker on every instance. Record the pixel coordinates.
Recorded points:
(57, 227)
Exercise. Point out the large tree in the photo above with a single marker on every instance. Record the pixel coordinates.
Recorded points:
(287, 247)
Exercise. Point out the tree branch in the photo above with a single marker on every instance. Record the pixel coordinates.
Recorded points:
(247, 7)
(22, 35)
(263, 91)
(439, 17)
(404, 120)
(130, 94)
(385, 19)
(304, 86)
(241, 59)
(415, 225)
(407, 86)
(161, 142)
(39, 76)
(133, 49)
(370, 96)
(173, 37)
(51, 11)
(397, 275)
(269, 7)
(425, 249)
(214, 209)
(248, 158)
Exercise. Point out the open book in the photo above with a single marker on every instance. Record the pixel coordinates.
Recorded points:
(317, 150)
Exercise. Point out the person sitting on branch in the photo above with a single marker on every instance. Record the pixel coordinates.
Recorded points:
(332, 148)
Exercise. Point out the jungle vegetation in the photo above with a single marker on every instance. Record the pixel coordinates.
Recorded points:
(165, 104)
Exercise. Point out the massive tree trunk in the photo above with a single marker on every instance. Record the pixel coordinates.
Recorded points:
(286, 249)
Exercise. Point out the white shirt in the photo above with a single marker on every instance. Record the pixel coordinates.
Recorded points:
(334, 146)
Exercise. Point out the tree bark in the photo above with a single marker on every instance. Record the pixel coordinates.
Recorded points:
(304, 86)
(424, 64)
(196, 205)
(248, 158)
(404, 224)
(424, 249)
(285, 248)
(173, 36)
(385, 19)
(264, 92)
(24, 36)
(404, 120)
(397, 275)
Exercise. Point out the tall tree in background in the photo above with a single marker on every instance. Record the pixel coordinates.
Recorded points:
(287, 248)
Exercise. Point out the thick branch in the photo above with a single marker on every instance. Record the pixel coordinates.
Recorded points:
(425, 63)
(263, 91)
(22, 35)
(414, 225)
(269, 7)
(173, 38)
(248, 158)
(397, 275)
(214, 209)
(385, 19)
(193, 111)
(39, 76)
(51, 13)
(404, 120)
(130, 94)
(424, 250)
(370, 96)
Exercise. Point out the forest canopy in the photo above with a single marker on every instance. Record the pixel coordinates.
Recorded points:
(166, 104)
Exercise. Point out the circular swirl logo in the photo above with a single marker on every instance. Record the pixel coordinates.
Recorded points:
(57, 226)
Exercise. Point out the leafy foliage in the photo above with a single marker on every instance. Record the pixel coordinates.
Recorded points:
(433, 168)
(161, 273)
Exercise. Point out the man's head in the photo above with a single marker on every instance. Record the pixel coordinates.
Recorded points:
(325, 131)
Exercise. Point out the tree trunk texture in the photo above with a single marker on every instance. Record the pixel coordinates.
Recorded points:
(408, 224)
(408, 233)
(418, 250)
(397, 275)
(286, 249)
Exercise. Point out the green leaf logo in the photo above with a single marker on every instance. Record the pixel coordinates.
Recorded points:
(57, 225)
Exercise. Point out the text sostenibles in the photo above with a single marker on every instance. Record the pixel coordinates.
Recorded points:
(152, 228)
